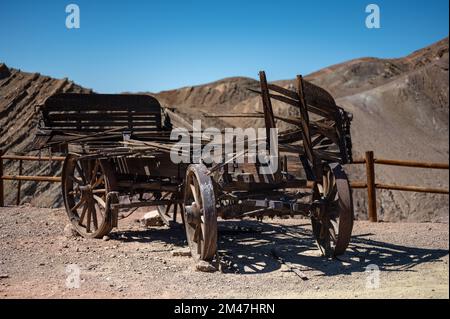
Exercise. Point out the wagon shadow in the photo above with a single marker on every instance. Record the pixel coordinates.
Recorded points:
(173, 235)
(265, 250)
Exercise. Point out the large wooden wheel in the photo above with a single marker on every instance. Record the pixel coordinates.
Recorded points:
(85, 185)
(332, 218)
(200, 213)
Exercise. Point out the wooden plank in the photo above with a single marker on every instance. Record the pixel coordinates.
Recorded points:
(270, 124)
(312, 108)
(291, 94)
(81, 124)
(52, 179)
(412, 164)
(62, 130)
(358, 185)
(64, 106)
(267, 106)
(306, 135)
(100, 116)
(33, 158)
(413, 188)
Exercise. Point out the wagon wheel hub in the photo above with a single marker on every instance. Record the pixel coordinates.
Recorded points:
(86, 189)
(193, 213)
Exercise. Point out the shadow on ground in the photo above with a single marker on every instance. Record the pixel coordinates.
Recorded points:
(251, 247)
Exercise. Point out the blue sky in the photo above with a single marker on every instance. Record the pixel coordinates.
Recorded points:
(158, 45)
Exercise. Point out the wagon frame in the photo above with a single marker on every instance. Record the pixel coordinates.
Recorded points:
(118, 159)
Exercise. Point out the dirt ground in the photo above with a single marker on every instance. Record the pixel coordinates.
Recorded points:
(36, 261)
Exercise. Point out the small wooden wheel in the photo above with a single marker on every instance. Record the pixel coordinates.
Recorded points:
(169, 213)
(84, 187)
(200, 213)
(332, 218)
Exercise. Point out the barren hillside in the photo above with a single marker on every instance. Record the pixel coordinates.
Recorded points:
(400, 109)
(20, 92)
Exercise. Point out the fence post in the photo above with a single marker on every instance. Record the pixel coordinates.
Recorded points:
(19, 184)
(2, 200)
(371, 190)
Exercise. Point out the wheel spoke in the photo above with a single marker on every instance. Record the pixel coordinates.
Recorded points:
(94, 217)
(199, 197)
(321, 189)
(97, 182)
(168, 209)
(100, 201)
(80, 172)
(83, 213)
(194, 193)
(332, 232)
(325, 185)
(88, 218)
(77, 180)
(77, 205)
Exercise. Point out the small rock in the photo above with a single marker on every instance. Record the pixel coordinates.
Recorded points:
(105, 238)
(69, 231)
(182, 252)
(4, 276)
(152, 219)
(205, 266)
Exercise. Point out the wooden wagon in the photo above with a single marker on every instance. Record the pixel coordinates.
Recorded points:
(118, 159)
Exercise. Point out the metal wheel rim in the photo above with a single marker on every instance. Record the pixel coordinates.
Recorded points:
(333, 231)
(202, 232)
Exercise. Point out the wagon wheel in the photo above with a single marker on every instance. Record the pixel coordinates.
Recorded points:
(200, 213)
(85, 185)
(332, 219)
(169, 213)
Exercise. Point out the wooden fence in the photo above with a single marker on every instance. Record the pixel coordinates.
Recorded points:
(20, 177)
(370, 184)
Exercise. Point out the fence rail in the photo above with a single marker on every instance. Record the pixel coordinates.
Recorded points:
(20, 177)
(370, 184)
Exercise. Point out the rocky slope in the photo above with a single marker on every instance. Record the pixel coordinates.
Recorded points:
(400, 109)
(20, 92)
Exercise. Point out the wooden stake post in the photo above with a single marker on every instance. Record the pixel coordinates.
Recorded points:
(371, 188)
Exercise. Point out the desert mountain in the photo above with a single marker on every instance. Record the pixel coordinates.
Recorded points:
(400, 109)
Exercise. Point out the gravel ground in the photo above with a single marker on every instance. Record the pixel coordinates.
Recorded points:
(258, 260)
